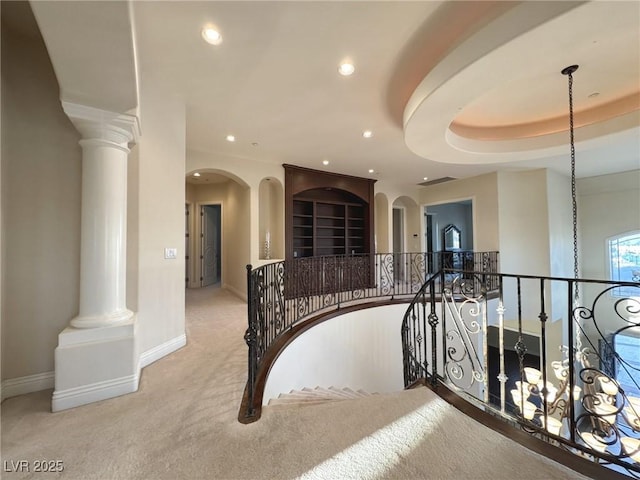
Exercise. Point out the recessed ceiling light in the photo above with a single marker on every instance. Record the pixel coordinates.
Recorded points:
(196, 174)
(367, 134)
(371, 170)
(325, 162)
(346, 69)
(231, 138)
(425, 178)
(211, 35)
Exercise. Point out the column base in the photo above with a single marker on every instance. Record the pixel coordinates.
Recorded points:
(95, 364)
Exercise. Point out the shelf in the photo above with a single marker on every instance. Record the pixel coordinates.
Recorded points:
(328, 227)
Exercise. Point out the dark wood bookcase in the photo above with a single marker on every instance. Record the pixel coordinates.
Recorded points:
(327, 215)
(323, 228)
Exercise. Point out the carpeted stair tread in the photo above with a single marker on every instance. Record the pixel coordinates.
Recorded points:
(312, 396)
(355, 393)
(298, 401)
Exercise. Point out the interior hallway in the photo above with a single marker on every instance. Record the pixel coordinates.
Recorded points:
(182, 423)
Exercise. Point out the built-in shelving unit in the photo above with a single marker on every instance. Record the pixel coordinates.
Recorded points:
(328, 228)
(327, 214)
(303, 228)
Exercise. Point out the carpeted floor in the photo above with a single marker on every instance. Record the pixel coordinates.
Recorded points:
(182, 424)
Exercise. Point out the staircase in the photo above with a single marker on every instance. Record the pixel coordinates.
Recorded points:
(317, 395)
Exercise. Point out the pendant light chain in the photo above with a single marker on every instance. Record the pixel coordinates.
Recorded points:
(568, 71)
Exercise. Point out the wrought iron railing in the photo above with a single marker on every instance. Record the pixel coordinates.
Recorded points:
(283, 294)
(528, 349)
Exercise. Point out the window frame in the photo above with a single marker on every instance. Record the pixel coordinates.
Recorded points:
(613, 271)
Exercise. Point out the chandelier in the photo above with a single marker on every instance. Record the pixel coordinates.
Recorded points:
(606, 408)
(582, 404)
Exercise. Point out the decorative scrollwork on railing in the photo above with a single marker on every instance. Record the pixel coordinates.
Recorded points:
(418, 271)
(463, 364)
(385, 267)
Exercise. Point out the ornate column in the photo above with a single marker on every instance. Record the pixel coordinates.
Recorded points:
(105, 139)
(96, 357)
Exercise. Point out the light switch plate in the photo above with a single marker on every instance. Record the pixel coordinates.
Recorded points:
(170, 253)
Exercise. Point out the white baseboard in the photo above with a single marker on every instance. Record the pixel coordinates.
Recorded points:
(162, 350)
(74, 397)
(31, 383)
(90, 393)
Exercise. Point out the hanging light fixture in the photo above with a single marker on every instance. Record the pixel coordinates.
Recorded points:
(605, 405)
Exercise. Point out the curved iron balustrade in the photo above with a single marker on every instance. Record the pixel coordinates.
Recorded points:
(583, 396)
(282, 295)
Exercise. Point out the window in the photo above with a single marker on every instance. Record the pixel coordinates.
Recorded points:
(624, 261)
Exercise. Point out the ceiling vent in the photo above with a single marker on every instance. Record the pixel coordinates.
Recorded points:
(436, 181)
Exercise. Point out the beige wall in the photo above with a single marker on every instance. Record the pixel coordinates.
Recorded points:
(161, 196)
(560, 241)
(237, 233)
(524, 238)
(271, 213)
(524, 224)
(41, 169)
(608, 205)
(383, 223)
(483, 190)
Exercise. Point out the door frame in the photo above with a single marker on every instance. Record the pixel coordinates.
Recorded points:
(188, 250)
(198, 243)
(399, 268)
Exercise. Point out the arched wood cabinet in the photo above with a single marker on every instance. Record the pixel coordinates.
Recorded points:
(327, 213)
(329, 232)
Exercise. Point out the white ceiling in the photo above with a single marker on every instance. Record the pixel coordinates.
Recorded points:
(491, 68)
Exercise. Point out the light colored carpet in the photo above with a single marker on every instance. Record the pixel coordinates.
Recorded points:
(182, 424)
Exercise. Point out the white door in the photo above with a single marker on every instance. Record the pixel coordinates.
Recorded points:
(210, 244)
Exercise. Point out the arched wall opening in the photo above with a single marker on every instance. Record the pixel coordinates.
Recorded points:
(406, 225)
(210, 191)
